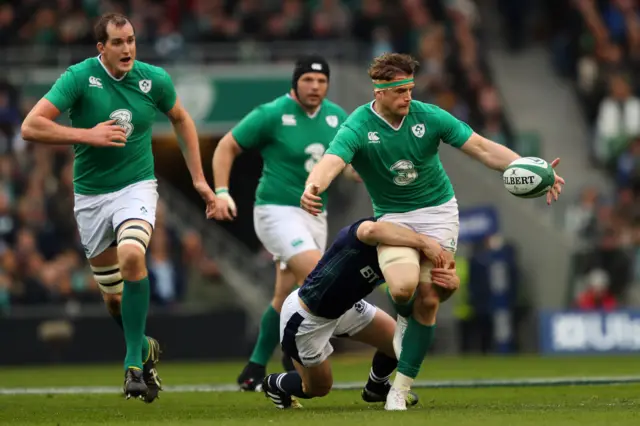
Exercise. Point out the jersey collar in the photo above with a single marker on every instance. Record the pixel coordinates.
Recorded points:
(312, 116)
(107, 71)
(385, 121)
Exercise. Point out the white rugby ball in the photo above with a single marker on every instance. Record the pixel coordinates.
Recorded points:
(528, 177)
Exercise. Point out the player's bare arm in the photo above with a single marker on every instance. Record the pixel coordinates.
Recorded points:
(489, 153)
(319, 180)
(223, 157)
(498, 157)
(187, 134)
(40, 126)
(351, 174)
(387, 233)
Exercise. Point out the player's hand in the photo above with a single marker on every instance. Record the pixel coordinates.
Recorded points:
(106, 134)
(207, 195)
(435, 253)
(225, 206)
(446, 277)
(556, 189)
(311, 201)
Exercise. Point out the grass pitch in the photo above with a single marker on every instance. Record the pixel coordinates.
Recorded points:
(604, 404)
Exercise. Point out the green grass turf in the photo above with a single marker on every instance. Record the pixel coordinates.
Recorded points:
(561, 405)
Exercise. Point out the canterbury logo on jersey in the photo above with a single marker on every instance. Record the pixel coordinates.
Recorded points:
(288, 120)
(373, 137)
(95, 82)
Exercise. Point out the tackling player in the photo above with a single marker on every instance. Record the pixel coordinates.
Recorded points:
(112, 101)
(330, 304)
(392, 142)
(291, 133)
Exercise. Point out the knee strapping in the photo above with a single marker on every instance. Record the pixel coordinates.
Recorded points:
(109, 278)
(135, 234)
(425, 271)
(396, 255)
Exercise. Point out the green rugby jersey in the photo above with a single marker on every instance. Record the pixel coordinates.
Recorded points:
(400, 166)
(290, 142)
(92, 95)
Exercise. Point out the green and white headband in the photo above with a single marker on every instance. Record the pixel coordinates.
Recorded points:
(384, 85)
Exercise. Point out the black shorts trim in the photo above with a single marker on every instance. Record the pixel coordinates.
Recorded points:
(289, 346)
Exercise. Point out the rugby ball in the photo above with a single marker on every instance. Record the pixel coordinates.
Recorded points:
(528, 177)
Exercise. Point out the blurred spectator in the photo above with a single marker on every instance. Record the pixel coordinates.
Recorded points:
(334, 16)
(618, 120)
(580, 218)
(596, 295)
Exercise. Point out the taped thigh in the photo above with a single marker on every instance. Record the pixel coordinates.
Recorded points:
(108, 278)
(391, 255)
(425, 271)
(135, 233)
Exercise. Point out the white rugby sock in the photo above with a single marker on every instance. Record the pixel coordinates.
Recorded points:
(402, 382)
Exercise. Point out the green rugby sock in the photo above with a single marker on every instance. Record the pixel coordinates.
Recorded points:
(415, 344)
(402, 309)
(135, 305)
(145, 349)
(268, 337)
(145, 342)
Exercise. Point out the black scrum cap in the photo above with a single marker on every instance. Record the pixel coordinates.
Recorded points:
(305, 64)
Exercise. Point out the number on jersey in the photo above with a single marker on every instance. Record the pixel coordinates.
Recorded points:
(123, 119)
(315, 151)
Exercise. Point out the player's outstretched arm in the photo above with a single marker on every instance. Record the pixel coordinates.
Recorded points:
(498, 157)
(319, 180)
(39, 126)
(223, 157)
(374, 233)
(489, 153)
(187, 134)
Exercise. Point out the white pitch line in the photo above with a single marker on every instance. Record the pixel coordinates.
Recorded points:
(554, 381)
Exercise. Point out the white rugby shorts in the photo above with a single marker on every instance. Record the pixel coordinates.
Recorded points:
(442, 223)
(286, 231)
(98, 216)
(305, 337)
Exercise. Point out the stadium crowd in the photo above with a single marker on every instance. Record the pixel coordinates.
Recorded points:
(597, 45)
(41, 259)
(444, 35)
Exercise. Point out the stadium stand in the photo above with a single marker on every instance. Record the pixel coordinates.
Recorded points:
(597, 46)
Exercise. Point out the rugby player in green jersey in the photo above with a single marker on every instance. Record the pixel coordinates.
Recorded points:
(291, 133)
(392, 142)
(112, 101)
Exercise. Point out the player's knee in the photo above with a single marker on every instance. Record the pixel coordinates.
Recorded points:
(428, 300)
(401, 269)
(401, 294)
(319, 388)
(132, 262)
(133, 240)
